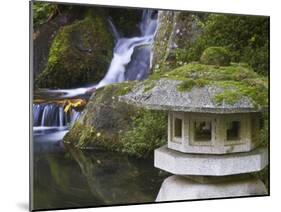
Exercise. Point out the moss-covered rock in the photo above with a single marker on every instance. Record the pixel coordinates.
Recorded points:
(162, 37)
(215, 56)
(48, 19)
(80, 53)
(176, 33)
(117, 126)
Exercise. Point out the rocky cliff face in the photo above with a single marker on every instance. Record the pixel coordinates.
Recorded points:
(177, 31)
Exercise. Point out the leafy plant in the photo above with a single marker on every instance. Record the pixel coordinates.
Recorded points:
(149, 131)
(42, 11)
(246, 37)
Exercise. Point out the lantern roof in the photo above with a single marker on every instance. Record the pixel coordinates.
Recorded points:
(166, 95)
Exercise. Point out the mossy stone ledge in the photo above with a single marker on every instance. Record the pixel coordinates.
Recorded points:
(203, 88)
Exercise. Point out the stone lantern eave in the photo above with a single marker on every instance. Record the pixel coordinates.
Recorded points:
(165, 96)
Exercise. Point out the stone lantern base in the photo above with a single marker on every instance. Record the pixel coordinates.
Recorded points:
(178, 187)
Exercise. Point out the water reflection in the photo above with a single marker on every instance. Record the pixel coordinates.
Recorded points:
(65, 176)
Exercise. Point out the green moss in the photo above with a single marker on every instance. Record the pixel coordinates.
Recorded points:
(149, 85)
(237, 80)
(228, 97)
(188, 84)
(109, 94)
(208, 72)
(79, 54)
(255, 89)
(84, 136)
(215, 56)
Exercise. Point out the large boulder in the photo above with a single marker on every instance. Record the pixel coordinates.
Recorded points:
(108, 123)
(80, 53)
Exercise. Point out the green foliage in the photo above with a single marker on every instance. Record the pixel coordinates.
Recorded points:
(246, 37)
(215, 56)
(149, 131)
(41, 12)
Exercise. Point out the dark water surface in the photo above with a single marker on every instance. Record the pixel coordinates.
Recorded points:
(65, 176)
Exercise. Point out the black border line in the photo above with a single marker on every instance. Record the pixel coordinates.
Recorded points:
(31, 72)
(268, 109)
(31, 50)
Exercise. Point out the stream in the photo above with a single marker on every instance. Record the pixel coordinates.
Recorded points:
(65, 176)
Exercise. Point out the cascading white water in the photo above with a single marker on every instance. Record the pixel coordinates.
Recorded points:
(123, 66)
(131, 56)
(46, 115)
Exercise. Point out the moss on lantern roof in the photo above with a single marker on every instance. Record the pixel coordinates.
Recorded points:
(203, 88)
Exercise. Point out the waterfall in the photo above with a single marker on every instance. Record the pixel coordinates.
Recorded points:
(131, 61)
(131, 56)
(114, 30)
(50, 114)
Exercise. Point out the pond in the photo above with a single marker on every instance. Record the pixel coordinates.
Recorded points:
(65, 176)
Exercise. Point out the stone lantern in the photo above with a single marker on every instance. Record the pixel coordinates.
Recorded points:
(211, 148)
